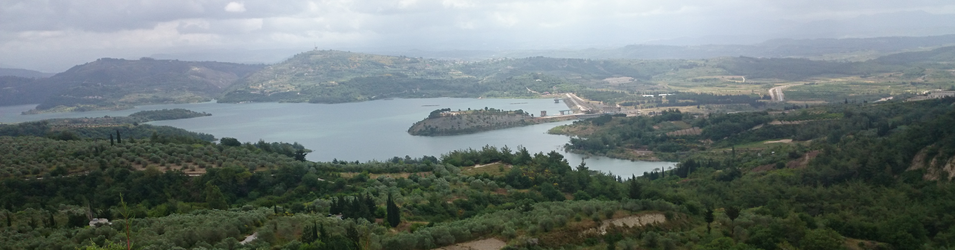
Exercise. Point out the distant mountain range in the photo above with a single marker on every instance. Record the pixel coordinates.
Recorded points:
(326, 76)
(853, 49)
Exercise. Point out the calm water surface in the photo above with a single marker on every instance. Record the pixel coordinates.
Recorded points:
(374, 130)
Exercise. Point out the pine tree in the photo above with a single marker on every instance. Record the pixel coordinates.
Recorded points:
(372, 207)
(635, 189)
(214, 197)
(732, 213)
(300, 155)
(394, 215)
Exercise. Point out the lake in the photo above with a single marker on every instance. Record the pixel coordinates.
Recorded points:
(364, 131)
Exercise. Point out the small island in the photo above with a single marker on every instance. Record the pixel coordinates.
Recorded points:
(134, 118)
(446, 122)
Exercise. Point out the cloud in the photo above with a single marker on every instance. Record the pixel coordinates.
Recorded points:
(235, 7)
(138, 28)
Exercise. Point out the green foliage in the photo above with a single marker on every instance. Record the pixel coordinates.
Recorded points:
(214, 197)
(821, 239)
(442, 122)
(117, 83)
(166, 114)
(394, 214)
(863, 176)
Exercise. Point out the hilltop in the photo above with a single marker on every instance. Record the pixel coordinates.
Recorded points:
(23, 73)
(118, 84)
(326, 76)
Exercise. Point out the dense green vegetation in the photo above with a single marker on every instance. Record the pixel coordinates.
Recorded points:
(870, 177)
(102, 128)
(166, 114)
(336, 76)
(446, 122)
(619, 136)
(850, 174)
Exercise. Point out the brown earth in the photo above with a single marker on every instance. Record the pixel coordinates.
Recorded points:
(689, 131)
(485, 244)
(631, 221)
(800, 163)
(934, 169)
(392, 175)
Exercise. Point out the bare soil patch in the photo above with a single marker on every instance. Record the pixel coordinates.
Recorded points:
(392, 175)
(619, 80)
(683, 132)
(788, 122)
(485, 244)
(631, 221)
(779, 141)
(492, 169)
(802, 162)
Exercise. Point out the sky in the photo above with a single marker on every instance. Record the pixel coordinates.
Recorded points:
(53, 35)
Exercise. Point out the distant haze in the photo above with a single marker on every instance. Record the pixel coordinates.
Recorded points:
(51, 36)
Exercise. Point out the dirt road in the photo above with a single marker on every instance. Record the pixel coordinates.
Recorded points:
(777, 93)
(576, 100)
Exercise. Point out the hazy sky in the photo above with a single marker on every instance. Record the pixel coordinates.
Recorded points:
(51, 35)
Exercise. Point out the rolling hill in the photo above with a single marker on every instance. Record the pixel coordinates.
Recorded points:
(117, 83)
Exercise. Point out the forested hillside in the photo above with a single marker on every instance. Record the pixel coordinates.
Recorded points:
(15, 90)
(335, 76)
(864, 176)
(117, 84)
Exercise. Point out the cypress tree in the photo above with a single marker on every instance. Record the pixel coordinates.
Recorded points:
(334, 209)
(111, 140)
(372, 207)
(709, 219)
(394, 215)
(315, 231)
(118, 138)
(338, 206)
(635, 189)
(308, 234)
(322, 235)
(9, 221)
(352, 234)
(52, 221)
